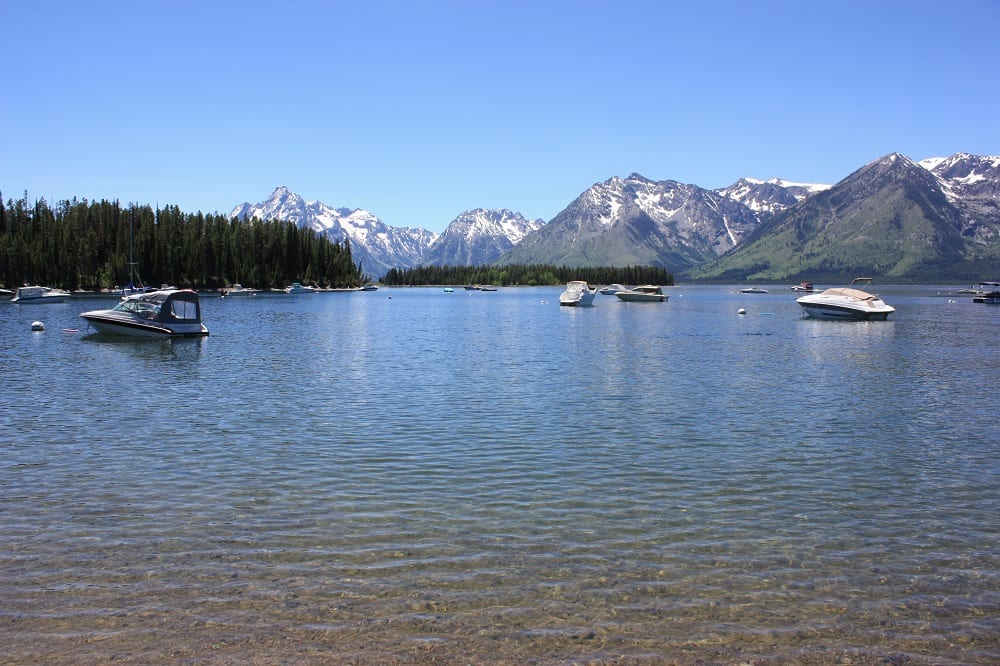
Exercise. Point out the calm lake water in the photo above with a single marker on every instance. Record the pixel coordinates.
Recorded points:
(413, 476)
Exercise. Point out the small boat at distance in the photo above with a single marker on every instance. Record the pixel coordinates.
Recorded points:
(613, 289)
(577, 293)
(988, 292)
(299, 288)
(753, 290)
(850, 303)
(237, 289)
(645, 292)
(34, 294)
(156, 314)
(803, 286)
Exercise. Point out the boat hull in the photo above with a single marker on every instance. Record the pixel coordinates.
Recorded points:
(640, 298)
(583, 301)
(844, 312)
(40, 300)
(106, 322)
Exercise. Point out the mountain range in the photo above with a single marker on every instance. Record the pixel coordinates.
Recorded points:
(937, 218)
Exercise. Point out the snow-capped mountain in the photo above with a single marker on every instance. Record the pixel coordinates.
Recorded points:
(972, 184)
(663, 223)
(479, 236)
(376, 245)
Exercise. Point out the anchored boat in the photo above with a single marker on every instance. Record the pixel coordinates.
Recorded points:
(847, 303)
(156, 314)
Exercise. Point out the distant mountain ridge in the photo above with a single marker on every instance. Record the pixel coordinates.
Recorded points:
(474, 237)
(893, 216)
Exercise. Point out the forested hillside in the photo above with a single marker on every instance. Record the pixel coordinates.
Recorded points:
(526, 275)
(86, 245)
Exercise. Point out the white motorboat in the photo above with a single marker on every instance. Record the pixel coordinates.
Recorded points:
(613, 289)
(645, 292)
(34, 294)
(299, 288)
(753, 290)
(236, 289)
(157, 314)
(847, 303)
(577, 292)
(988, 292)
(803, 286)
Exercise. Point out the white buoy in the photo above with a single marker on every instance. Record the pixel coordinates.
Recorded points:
(37, 326)
(741, 311)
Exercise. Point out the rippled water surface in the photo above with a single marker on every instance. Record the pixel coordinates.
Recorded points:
(412, 476)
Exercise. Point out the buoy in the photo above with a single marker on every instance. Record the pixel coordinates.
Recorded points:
(741, 311)
(37, 326)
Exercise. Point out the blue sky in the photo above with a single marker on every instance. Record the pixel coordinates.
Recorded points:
(418, 111)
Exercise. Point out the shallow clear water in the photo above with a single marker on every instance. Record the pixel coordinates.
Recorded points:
(410, 475)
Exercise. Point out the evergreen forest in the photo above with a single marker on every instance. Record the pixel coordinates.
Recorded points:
(526, 275)
(82, 245)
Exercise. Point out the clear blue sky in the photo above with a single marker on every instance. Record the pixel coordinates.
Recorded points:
(418, 111)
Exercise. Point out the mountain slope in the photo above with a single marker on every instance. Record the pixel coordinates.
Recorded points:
(478, 237)
(891, 218)
(636, 221)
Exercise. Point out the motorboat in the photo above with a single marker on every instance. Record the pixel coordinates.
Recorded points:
(34, 294)
(613, 289)
(988, 292)
(646, 292)
(803, 286)
(299, 288)
(368, 287)
(753, 290)
(487, 287)
(850, 302)
(157, 314)
(578, 292)
(236, 289)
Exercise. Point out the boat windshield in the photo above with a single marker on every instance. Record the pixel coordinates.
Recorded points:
(146, 309)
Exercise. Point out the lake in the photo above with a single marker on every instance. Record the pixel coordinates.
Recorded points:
(414, 476)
